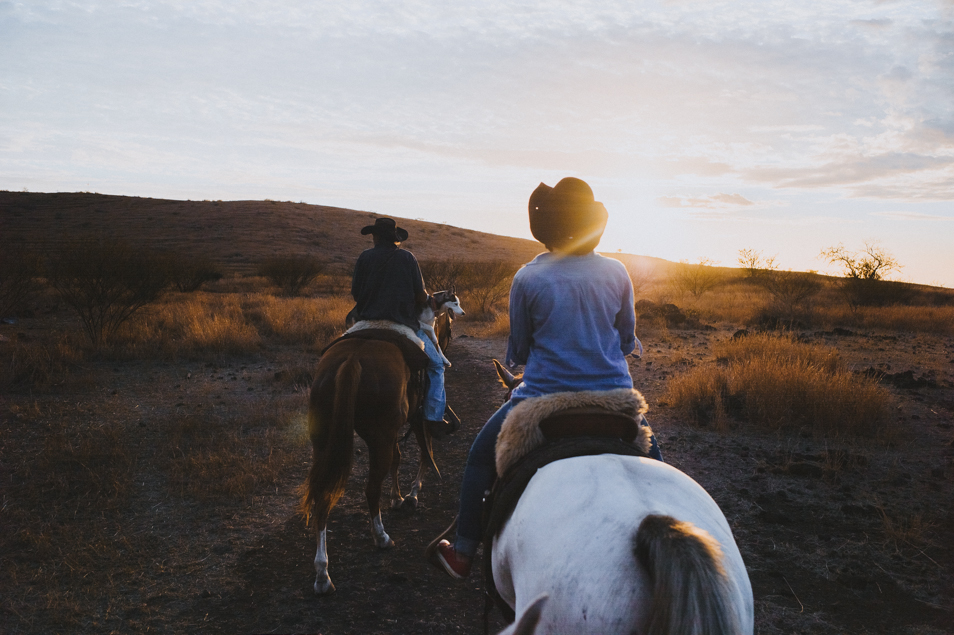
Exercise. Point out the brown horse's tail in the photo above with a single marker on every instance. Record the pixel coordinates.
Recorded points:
(333, 443)
(691, 592)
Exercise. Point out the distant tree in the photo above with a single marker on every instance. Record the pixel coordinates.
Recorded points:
(865, 271)
(106, 281)
(754, 263)
(871, 263)
(291, 273)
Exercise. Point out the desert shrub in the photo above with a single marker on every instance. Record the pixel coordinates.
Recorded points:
(790, 296)
(189, 273)
(443, 275)
(485, 285)
(309, 321)
(780, 383)
(19, 270)
(106, 281)
(861, 292)
(695, 279)
(291, 274)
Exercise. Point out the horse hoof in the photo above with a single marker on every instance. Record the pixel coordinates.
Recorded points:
(386, 545)
(410, 502)
(325, 588)
(398, 503)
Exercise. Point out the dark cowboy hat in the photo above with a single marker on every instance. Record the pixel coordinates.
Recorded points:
(386, 228)
(566, 218)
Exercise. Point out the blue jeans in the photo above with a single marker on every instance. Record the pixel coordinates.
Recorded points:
(479, 475)
(435, 400)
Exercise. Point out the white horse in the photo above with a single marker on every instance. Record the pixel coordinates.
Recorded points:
(620, 544)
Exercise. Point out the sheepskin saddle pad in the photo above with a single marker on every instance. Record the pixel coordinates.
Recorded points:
(612, 414)
(411, 346)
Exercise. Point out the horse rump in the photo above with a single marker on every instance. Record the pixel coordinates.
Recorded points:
(332, 437)
(690, 589)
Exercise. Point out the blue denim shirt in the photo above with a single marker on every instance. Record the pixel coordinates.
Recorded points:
(572, 324)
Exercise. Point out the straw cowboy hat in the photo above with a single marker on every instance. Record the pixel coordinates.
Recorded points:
(566, 217)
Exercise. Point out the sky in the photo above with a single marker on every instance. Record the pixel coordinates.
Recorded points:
(705, 127)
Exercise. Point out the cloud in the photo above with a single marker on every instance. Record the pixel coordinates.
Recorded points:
(914, 216)
(852, 171)
(714, 201)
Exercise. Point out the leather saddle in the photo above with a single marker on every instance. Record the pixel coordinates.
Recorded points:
(415, 358)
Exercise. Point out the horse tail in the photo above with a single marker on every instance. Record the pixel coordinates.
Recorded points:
(332, 443)
(691, 592)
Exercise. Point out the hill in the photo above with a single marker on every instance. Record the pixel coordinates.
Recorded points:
(238, 234)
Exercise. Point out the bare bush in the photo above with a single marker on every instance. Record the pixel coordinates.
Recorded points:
(695, 279)
(190, 273)
(791, 294)
(441, 275)
(106, 281)
(291, 274)
(486, 284)
(19, 270)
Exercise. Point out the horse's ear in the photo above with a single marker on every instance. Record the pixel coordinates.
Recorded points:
(527, 623)
(506, 377)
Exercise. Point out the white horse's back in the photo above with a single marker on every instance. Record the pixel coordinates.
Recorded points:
(571, 536)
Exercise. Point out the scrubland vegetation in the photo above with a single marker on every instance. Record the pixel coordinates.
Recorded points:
(86, 462)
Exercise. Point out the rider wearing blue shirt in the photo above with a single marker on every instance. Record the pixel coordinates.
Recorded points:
(575, 315)
(572, 324)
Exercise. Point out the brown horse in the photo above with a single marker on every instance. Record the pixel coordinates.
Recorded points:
(363, 386)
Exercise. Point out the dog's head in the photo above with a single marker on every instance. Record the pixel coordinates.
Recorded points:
(447, 301)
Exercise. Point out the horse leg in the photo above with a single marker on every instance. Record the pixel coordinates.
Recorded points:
(411, 498)
(396, 499)
(379, 463)
(323, 583)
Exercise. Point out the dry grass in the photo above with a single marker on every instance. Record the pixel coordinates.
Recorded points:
(211, 457)
(77, 496)
(189, 324)
(308, 321)
(779, 383)
(41, 363)
(914, 319)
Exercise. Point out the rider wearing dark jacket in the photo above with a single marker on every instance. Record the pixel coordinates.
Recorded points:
(388, 285)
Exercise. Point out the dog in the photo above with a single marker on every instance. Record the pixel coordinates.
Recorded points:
(436, 304)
